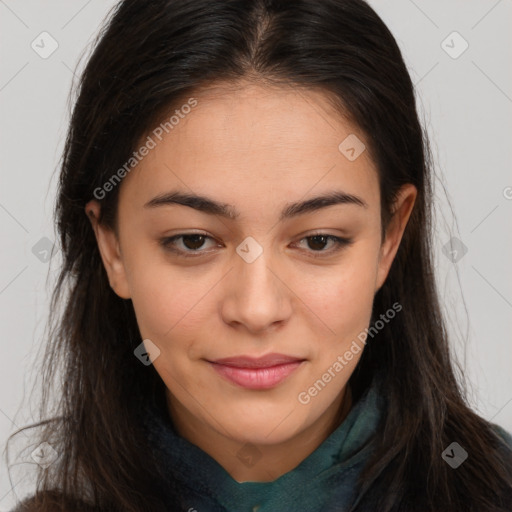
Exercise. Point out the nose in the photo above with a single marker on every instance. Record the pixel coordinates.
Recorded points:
(256, 294)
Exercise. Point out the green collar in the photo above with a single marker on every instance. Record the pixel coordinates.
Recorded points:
(332, 468)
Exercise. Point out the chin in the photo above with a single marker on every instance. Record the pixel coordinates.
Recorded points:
(264, 430)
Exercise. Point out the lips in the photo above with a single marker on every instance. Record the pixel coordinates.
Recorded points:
(257, 373)
(257, 362)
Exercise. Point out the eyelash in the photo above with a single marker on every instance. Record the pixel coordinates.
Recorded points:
(167, 243)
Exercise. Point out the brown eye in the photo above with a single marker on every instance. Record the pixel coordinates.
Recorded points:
(186, 244)
(193, 242)
(317, 243)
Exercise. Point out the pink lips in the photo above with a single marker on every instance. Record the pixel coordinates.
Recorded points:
(257, 373)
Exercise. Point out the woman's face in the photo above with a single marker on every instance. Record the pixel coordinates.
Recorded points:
(258, 282)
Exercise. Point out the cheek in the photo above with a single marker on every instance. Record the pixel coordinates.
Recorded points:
(165, 307)
(343, 298)
(163, 296)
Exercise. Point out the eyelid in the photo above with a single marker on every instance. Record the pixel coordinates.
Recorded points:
(340, 243)
(167, 241)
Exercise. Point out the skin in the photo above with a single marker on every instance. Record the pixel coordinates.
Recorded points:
(257, 149)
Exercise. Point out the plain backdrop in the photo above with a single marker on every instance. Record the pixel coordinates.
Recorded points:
(459, 54)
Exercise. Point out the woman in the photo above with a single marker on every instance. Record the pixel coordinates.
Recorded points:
(252, 321)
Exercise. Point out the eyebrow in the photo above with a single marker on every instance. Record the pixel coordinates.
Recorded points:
(211, 207)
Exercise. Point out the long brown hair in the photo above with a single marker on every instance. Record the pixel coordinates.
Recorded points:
(148, 57)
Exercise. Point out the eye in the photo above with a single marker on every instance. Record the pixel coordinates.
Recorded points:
(190, 244)
(318, 241)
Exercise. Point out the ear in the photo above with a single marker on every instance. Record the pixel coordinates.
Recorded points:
(108, 245)
(402, 209)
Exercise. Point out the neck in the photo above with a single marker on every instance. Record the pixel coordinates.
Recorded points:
(274, 460)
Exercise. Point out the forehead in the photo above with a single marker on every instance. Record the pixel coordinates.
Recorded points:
(239, 143)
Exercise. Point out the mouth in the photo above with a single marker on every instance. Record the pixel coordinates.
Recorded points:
(257, 373)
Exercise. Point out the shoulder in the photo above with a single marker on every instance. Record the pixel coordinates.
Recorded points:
(53, 502)
(27, 505)
(503, 435)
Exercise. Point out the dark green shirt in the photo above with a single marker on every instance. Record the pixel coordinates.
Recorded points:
(325, 481)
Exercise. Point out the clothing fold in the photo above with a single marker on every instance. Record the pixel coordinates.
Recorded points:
(326, 480)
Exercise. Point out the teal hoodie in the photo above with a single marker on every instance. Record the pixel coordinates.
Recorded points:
(324, 481)
(329, 471)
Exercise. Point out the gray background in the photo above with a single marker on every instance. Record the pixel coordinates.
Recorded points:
(465, 101)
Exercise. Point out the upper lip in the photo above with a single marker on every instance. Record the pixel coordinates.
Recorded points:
(257, 362)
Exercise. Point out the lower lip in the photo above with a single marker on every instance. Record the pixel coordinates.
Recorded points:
(257, 378)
